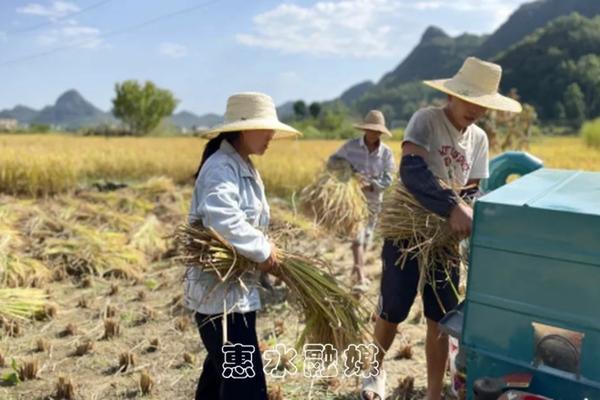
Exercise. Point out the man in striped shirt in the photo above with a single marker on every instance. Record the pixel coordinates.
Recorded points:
(374, 162)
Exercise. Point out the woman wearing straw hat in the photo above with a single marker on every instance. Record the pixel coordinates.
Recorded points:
(374, 161)
(445, 144)
(229, 197)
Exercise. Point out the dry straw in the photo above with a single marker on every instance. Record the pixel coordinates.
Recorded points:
(332, 315)
(421, 234)
(83, 250)
(17, 267)
(336, 201)
(21, 303)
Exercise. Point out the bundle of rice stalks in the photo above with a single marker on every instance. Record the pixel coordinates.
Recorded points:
(97, 214)
(21, 303)
(336, 201)
(150, 238)
(123, 201)
(331, 314)
(81, 251)
(419, 233)
(286, 226)
(17, 268)
(21, 271)
(171, 203)
(155, 186)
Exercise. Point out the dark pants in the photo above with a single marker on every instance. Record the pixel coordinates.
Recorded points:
(399, 287)
(241, 330)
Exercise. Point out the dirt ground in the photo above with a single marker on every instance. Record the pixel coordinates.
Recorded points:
(150, 310)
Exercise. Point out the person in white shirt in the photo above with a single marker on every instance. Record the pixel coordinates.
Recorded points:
(439, 144)
(229, 197)
(373, 160)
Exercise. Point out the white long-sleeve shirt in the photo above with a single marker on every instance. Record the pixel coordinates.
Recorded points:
(378, 166)
(229, 197)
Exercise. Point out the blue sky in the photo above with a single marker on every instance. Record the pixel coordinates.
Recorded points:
(312, 49)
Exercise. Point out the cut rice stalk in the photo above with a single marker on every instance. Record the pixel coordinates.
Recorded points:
(155, 186)
(336, 201)
(332, 315)
(17, 268)
(420, 233)
(20, 303)
(17, 271)
(86, 251)
(150, 238)
(97, 214)
(123, 201)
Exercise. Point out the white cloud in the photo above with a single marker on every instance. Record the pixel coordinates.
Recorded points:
(65, 31)
(56, 10)
(497, 11)
(72, 35)
(426, 5)
(364, 28)
(3, 37)
(173, 50)
(358, 28)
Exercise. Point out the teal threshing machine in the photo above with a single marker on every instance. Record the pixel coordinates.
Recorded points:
(532, 308)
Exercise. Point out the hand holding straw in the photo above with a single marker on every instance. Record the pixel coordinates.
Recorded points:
(332, 315)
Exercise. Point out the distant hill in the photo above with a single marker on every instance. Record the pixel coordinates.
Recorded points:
(398, 93)
(514, 45)
(436, 55)
(531, 16)
(286, 110)
(565, 52)
(189, 120)
(355, 92)
(22, 114)
(72, 111)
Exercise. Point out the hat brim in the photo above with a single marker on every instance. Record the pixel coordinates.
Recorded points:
(494, 101)
(282, 130)
(373, 127)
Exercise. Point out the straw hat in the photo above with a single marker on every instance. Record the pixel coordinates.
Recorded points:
(477, 82)
(251, 110)
(374, 121)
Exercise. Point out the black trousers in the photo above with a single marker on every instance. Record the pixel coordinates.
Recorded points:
(220, 379)
(399, 287)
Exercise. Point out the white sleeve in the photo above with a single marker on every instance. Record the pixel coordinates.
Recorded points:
(418, 129)
(220, 210)
(480, 168)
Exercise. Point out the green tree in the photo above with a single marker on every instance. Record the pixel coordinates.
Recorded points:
(300, 109)
(559, 112)
(142, 108)
(388, 113)
(574, 102)
(39, 128)
(314, 109)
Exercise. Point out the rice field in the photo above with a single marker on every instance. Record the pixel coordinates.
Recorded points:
(40, 165)
(90, 291)
(590, 132)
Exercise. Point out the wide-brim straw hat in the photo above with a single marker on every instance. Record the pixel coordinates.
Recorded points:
(477, 82)
(249, 111)
(374, 121)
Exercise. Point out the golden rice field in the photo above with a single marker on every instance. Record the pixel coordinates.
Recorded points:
(47, 164)
(97, 272)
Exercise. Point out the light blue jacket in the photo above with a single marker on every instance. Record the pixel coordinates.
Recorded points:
(229, 197)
